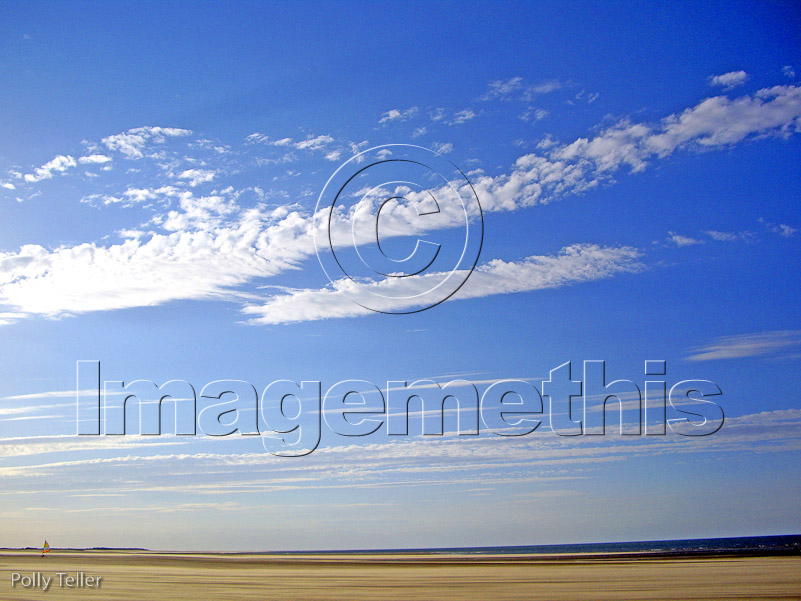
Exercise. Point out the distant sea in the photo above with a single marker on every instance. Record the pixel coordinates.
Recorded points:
(785, 544)
(788, 543)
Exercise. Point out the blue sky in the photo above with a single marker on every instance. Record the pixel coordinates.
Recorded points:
(637, 168)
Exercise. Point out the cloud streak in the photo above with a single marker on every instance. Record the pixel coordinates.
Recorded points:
(574, 264)
(748, 345)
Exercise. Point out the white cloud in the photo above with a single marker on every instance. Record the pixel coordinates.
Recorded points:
(197, 176)
(447, 117)
(420, 131)
(722, 236)
(574, 264)
(209, 246)
(258, 138)
(311, 143)
(438, 114)
(445, 460)
(105, 199)
(9, 317)
(201, 213)
(680, 240)
(516, 88)
(133, 196)
(94, 159)
(546, 87)
(747, 345)
(58, 165)
(139, 194)
(463, 115)
(729, 80)
(788, 71)
(728, 236)
(398, 114)
(715, 122)
(533, 114)
(783, 230)
(8, 186)
(314, 142)
(132, 143)
(27, 409)
(503, 88)
(442, 147)
(44, 445)
(780, 229)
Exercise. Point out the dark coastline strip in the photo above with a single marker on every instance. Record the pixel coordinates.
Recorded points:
(412, 559)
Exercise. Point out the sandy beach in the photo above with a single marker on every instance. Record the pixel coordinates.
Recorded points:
(347, 577)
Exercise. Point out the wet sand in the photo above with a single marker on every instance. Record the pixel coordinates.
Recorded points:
(409, 577)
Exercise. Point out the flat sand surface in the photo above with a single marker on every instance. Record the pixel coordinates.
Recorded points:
(152, 576)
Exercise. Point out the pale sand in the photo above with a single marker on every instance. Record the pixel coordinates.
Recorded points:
(191, 577)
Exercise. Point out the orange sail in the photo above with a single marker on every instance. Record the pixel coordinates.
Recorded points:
(45, 548)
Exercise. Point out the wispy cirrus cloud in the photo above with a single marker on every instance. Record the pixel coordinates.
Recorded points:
(751, 235)
(532, 115)
(442, 147)
(572, 265)
(398, 114)
(516, 88)
(740, 346)
(442, 460)
(446, 116)
(503, 88)
(331, 148)
(463, 116)
(680, 240)
(782, 229)
(719, 236)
